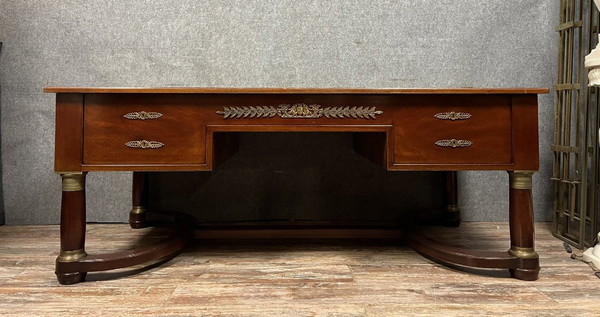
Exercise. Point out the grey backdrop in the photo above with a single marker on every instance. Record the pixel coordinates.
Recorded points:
(1, 196)
(260, 43)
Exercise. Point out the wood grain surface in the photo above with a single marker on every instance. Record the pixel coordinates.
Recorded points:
(499, 134)
(181, 129)
(416, 129)
(218, 90)
(252, 277)
(69, 133)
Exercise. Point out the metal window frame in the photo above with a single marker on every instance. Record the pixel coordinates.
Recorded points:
(575, 147)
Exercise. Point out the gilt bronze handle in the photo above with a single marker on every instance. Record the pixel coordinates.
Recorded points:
(143, 115)
(454, 143)
(453, 116)
(144, 144)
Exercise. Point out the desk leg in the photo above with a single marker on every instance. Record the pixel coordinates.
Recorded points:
(521, 226)
(452, 210)
(73, 263)
(72, 229)
(521, 259)
(139, 199)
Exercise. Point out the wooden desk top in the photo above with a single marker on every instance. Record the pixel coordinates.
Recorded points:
(201, 90)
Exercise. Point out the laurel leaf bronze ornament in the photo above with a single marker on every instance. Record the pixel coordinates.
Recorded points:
(300, 111)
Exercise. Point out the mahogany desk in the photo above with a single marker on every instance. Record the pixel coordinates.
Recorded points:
(193, 129)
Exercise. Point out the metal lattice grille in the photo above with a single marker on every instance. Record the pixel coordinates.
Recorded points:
(575, 167)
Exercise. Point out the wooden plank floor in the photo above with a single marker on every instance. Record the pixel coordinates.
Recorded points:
(266, 278)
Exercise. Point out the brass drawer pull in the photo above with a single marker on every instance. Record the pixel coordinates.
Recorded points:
(143, 144)
(453, 116)
(143, 115)
(454, 143)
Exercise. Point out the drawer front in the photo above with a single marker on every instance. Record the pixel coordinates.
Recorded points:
(153, 129)
(453, 130)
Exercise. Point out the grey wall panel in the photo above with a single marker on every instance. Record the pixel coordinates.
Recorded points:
(1, 191)
(260, 43)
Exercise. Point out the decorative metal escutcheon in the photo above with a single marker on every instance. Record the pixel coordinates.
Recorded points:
(143, 115)
(144, 144)
(454, 143)
(453, 116)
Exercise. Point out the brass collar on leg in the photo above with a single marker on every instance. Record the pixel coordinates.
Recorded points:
(520, 179)
(71, 256)
(452, 208)
(73, 182)
(523, 253)
(138, 210)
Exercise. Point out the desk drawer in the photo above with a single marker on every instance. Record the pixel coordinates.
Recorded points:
(453, 129)
(153, 129)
